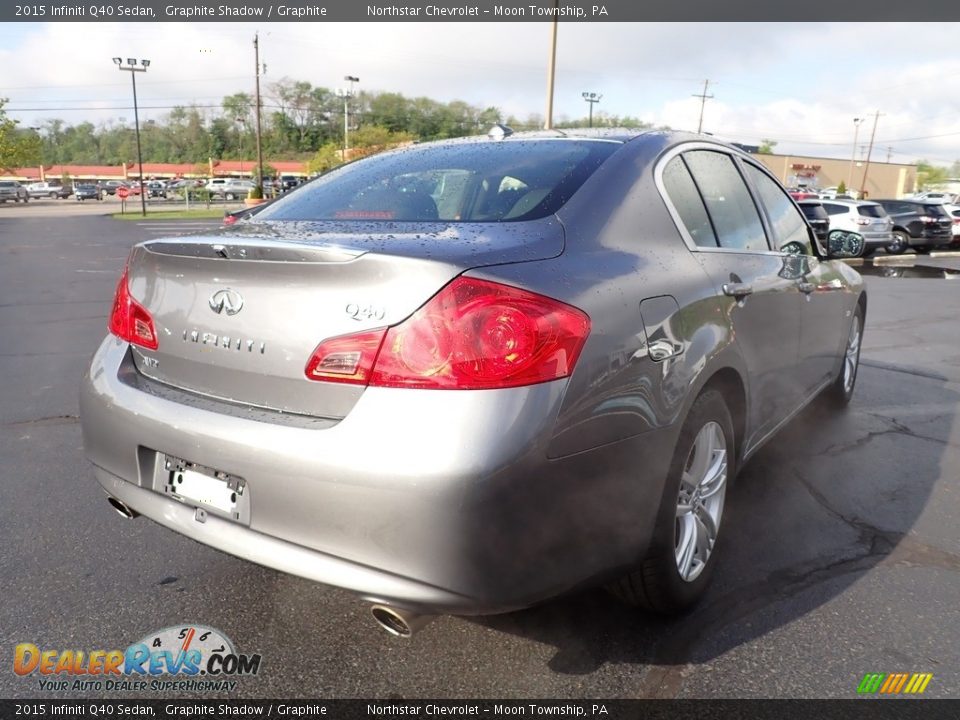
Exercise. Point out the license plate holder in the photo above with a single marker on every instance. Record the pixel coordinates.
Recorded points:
(206, 489)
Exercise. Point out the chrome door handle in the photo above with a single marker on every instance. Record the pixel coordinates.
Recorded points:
(737, 290)
(806, 287)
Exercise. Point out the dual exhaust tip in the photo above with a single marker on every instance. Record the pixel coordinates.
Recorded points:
(396, 621)
(122, 508)
(399, 622)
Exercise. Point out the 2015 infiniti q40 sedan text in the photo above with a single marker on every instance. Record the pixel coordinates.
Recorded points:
(465, 377)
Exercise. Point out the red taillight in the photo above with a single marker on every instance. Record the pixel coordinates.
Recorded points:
(229, 219)
(472, 335)
(129, 320)
(346, 359)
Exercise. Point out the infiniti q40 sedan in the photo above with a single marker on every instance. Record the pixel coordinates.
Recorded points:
(465, 377)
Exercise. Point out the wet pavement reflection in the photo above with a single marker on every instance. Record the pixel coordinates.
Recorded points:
(915, 270)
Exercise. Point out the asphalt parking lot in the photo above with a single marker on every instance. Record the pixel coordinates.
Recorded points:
(840, 556)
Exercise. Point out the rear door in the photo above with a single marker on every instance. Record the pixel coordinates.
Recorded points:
(723, 225)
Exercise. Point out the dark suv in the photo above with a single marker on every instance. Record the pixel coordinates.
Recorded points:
(918, 224)
(817, 217)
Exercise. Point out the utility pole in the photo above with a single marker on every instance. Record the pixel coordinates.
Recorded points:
(256, 54)
(703, 101)
(889, 153)
(853, 156)
(873, 133)
(551, 70)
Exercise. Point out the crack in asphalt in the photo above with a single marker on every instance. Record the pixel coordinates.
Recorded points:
(671, 664)
(897, 428)
(916, 372)
(48, 420)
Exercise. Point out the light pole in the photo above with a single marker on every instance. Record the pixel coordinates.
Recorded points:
(133, 69)
(853, 157)
(346, 95)
(591, 98)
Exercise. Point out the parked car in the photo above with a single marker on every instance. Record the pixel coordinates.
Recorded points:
(802, 194)
(109, 187)
(86, 191)
(833, 193)
(471, 375)
(49, 189)
(155, 188)
(861, 216)
(13, 190)
(817, 217)
(945, 198)
(918, 224)
(229, 188)
(288, 182)
(954, 211)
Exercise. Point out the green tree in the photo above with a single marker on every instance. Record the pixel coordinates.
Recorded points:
(841, 188)
(328, 156)
(766, 146)
(18, 148)
(929, 176)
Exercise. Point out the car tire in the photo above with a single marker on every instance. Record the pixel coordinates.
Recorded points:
(229, 196)
(841, 391)
(678, 566)
(53, 196)
(898, 244)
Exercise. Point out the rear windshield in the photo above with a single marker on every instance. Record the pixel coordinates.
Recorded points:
(874, 211)
(6, 184)
(814, 212)
(470, 182)
(934, 210)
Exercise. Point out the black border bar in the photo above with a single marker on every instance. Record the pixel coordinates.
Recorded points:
(861, 11)
(855, 709)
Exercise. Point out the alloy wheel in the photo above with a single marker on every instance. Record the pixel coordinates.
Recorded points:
(852, 355)
(703, 487)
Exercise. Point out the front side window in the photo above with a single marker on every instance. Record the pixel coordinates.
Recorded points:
(729, 204)
(504, 181)
(789, 226)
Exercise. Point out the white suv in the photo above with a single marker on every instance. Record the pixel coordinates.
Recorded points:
(229, 188)
(864, 217)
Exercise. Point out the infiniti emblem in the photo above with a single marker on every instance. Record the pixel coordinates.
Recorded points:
(226, 301)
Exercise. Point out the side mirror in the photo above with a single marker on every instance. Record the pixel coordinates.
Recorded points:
(843, 244)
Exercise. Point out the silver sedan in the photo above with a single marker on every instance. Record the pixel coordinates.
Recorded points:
(466, 377)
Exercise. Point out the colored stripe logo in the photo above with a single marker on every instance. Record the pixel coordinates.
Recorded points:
(894, 683)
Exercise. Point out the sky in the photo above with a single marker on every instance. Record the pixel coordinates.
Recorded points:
(799, 84)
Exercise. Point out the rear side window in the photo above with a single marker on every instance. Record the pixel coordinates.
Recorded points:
(874, 211)
(686, 199)
(462, 182)
(729, 204)
(788, 224)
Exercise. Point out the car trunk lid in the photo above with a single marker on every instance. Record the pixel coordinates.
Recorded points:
(238, 315)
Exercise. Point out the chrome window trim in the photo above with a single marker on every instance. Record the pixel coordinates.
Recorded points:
(683, 147)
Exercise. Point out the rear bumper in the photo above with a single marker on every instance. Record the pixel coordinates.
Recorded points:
(446, 504)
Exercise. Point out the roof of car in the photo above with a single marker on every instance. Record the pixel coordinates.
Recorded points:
(850, 202)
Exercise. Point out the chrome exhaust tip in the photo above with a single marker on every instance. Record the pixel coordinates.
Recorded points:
(121, 508)
(398, 622)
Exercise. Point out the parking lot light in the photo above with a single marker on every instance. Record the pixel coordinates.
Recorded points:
(133, 69)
